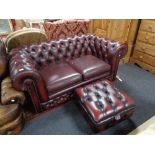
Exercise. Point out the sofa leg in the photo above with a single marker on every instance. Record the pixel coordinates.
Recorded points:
(119, 78)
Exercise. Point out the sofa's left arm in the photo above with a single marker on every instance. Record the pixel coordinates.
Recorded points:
(3, 60)
(25, 77)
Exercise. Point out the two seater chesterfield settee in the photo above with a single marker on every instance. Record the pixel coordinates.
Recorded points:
(50, 71)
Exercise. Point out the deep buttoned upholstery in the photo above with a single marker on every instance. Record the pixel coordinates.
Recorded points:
(33, 68)
(103, 104)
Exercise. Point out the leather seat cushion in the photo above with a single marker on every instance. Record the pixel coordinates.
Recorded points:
(59, 76)
(90, 66)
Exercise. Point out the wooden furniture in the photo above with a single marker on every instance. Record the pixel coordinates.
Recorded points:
(123, 30)
(144, 51)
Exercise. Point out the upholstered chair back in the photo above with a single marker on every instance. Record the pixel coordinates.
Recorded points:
(25, 36)
(61, 29)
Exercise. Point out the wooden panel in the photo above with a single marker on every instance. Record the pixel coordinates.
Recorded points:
(99, 23)
(101, 32)
(144, 58)
(143, 65)
(144, 52)
(124, 30)
(132, 35)
(104, 24)
(146, 37)
(118, 29)
(134, 26)
(146, 48)
(127, 57)
(148, 25)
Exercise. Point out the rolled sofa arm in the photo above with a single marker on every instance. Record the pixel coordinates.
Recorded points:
(25, 77)
(3, 60)
(115, 52)
(117, 49)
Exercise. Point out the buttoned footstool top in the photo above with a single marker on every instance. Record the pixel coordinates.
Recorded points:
(103, 105)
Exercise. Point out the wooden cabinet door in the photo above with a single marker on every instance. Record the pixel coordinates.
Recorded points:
(123, 30)
(99, 27)
(115, 29)
(100, 23)
(118, 29)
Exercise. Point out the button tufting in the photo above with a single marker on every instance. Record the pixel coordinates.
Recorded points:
(97, 95)
(96, 87)
(105, 104)
(99, 105)
(86, 90)
(106, 92)
(104, 84)
(119, 96)
(88, 98)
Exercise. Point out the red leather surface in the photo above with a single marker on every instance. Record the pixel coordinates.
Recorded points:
(89, 66)
(59, 76)
(102, 100)
(25, 62)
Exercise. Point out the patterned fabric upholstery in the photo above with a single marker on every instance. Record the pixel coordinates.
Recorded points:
(104, 103)
(64, 28)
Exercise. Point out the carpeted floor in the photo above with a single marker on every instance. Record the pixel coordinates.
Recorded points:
(67, 119)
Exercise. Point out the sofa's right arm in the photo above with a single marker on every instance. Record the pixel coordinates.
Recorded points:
(115, 52)
(25, 77)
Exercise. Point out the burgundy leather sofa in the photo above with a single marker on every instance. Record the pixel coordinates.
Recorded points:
(50, 71)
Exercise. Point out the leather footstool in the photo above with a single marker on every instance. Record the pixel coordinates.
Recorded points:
(103, 105)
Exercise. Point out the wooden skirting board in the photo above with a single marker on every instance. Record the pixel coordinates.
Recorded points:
(143, 65)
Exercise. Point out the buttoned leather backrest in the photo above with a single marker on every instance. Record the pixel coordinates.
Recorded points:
(68, 49)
